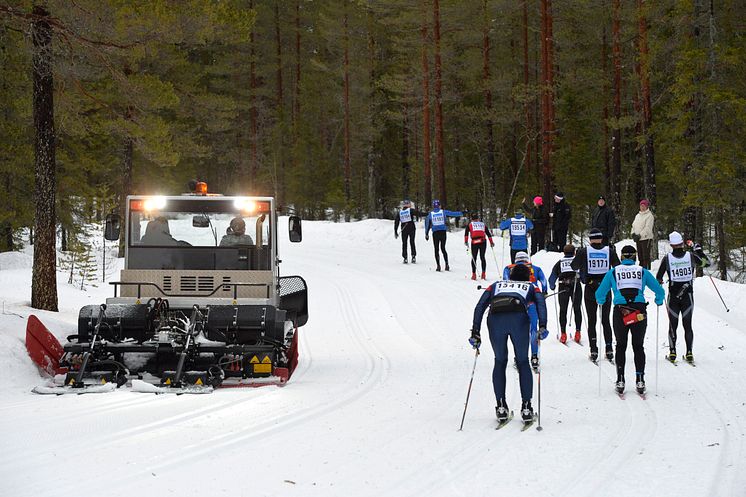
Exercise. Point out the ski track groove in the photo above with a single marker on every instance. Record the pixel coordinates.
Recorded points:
(375, 373)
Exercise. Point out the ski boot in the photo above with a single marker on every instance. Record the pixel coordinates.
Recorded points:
(484, 275)
(689, 357)
(563, 337)
(448, 268)
(404, 261)
(594, 356)
(414, 259)
(577, 337)
(474, 276)
(609, 354)
(535, 362)
(501, 411)
(640, 384)
(437, 268)
(619, 386)
(527, 412)
(671, 355)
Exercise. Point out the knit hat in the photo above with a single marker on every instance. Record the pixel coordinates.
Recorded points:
(436, 204)
(675, 238)
(522, 257)
(559, 196)
(595, 233)
(645, 202)
(601, 197)
(629, 252)
(538, 200)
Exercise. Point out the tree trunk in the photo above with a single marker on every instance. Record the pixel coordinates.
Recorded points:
(605, 70)
(547, 131)
(427, 168)
(253, 126)
(346, 68)
(439, 146)
(127, 153)
(372, 117)
(489, 125)
(44, 280)
(528, 101)
(280, 134)
(647, 110)
(296, 106)
(616, 133)
(406, 166)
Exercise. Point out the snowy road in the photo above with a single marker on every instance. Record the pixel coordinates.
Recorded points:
(375, 404)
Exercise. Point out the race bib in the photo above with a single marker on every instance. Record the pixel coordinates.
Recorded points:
(628, 277)
(517, 227)
(598, 260)
(680, 270)
(477, 226)
(566, 265)
(438, 218)
(405, 216)
(520, 287)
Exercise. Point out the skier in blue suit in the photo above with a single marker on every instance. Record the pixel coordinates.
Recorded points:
(519, 227)
(508, 302)
(436, 220)
(538, 278)
(627, 283)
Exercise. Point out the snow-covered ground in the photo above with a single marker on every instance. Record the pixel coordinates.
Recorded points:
(376, 402)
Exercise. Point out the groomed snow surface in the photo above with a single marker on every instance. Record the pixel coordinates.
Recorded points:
(375, 404)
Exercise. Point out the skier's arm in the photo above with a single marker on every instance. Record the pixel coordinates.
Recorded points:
(396, 226)
(554, 274)
(614, 257)
(427, 225)
(489, 235)
(579, 260)
(542, 279)
(506, 273)
(482, 305)
(603, 289)
(529, 224)
(541, 308)
(505, 224)
(466, 234)
(699, 258)
(649, 281)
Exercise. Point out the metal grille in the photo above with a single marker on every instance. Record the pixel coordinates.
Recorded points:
(188, 284)
(291, 284)
(226, 279)
(205, 283)
(167, 283)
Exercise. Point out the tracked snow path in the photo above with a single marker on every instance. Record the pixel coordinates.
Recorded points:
(375, 404)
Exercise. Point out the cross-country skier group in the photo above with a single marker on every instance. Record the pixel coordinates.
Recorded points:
(592, 280)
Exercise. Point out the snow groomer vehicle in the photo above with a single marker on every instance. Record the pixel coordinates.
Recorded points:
(200, 303)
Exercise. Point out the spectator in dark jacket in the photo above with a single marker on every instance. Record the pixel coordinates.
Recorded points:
(538, 216)
(560, 221)
(605, 220)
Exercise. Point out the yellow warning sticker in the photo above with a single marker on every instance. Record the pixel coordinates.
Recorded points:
(266, 360)
(168, 381)
(103, 381)
(254, 360)
(262, 368)
(199, 382)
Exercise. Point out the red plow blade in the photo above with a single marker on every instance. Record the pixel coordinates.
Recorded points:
(43, 347)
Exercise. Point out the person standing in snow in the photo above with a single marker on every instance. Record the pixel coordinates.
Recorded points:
(680, 266)
(479, 233)
(604, 219)
(508, 302)
(560, 221)
(537, 278)
(538, 216)
(436, 220)
(519, 227)
(627, 283)
(406, 219)
(569, 289)
(593, 263)
(642, 232)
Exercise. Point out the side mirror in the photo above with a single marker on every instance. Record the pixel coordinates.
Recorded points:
(112, 229)
(294, 229)
(200, 221)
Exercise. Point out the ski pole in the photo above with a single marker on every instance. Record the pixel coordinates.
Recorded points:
(473, 259)
(598, 364)
(502, 257)
(494, 258)
(556, 313)
(718, 291)
(657, 347)
(468, 392)
(538, 381)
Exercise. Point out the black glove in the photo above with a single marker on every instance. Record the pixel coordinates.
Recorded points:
(475, 340)
(396, 235)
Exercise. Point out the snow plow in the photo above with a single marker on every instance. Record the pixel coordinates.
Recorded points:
(194, 309)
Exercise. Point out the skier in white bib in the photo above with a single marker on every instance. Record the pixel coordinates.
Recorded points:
(680, 266)
(406, 217)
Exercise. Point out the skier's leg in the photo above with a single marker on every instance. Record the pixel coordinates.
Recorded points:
(620, 331)
(674, 308)
(564, 299)
(483, 256)
(638, 339)
(499, 341)
(577, 301)
(411, 244)
(519, 337)
(592, 309)
(435, 246)
(404, 236)
(474, 250)
(442, 244)
(606, 322)
(686, 318)
(533, 317)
